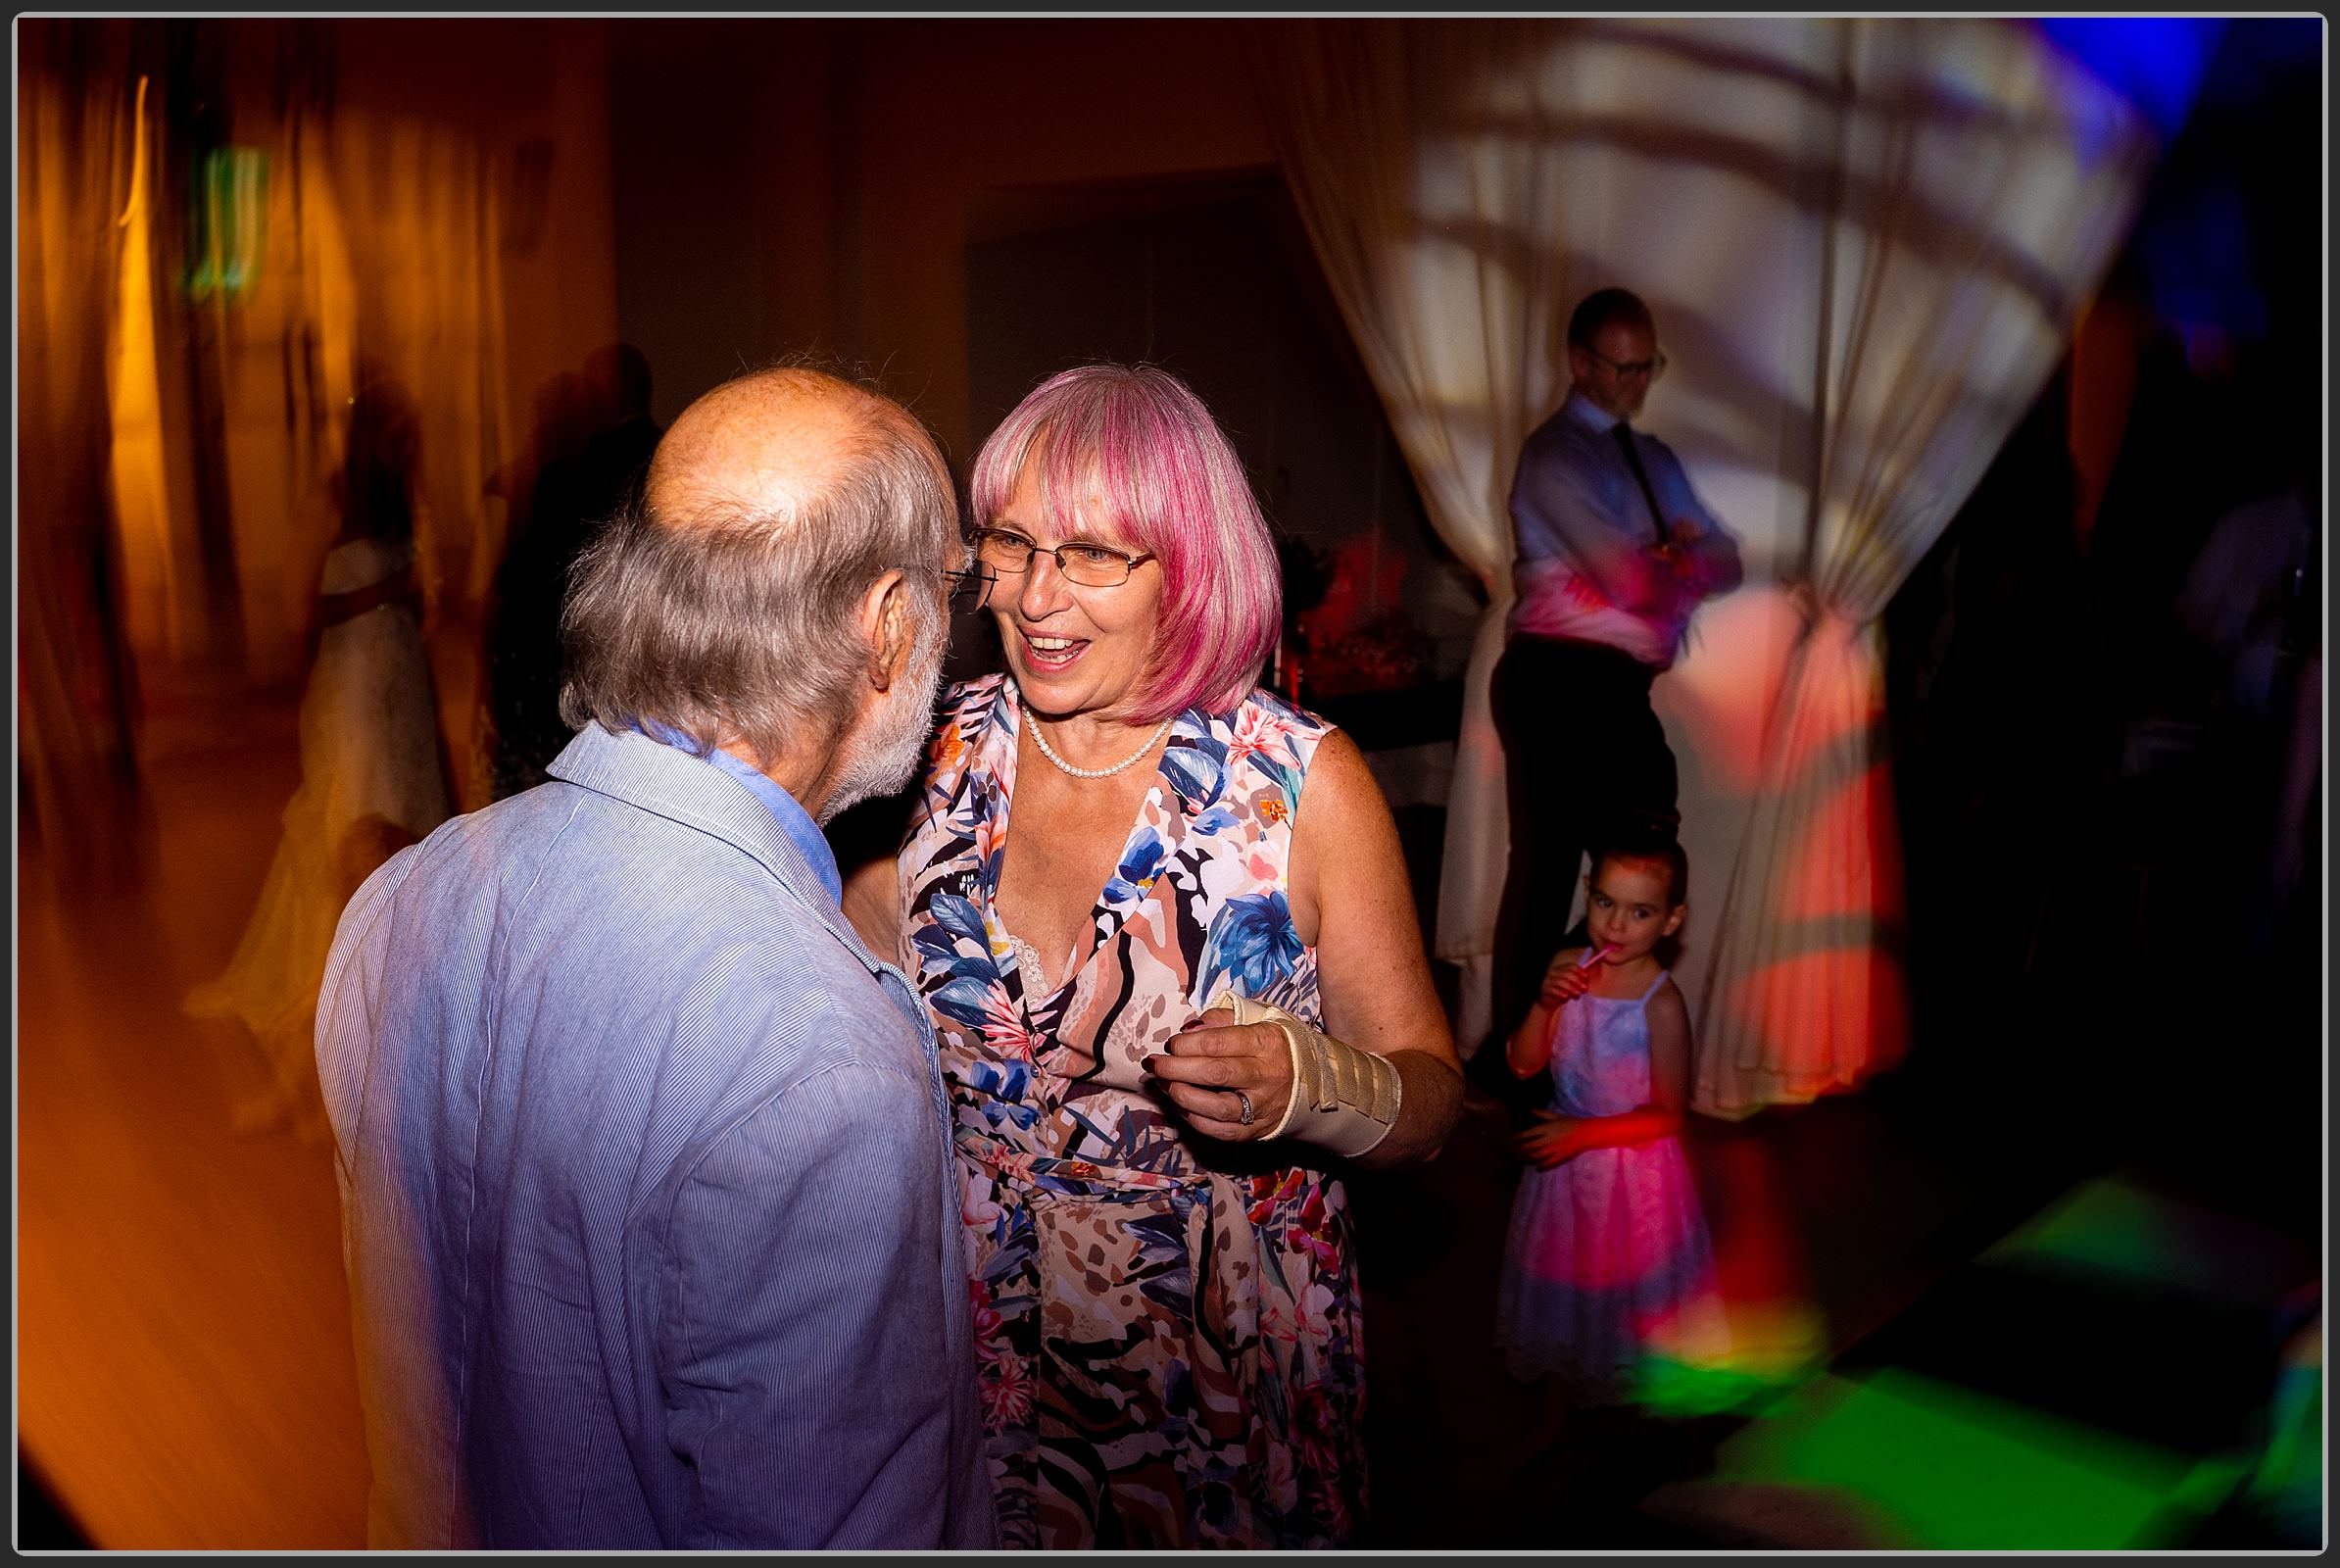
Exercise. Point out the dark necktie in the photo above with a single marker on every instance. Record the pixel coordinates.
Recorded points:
(1624, 433)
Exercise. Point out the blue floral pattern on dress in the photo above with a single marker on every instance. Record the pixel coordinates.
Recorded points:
(1168, 1347)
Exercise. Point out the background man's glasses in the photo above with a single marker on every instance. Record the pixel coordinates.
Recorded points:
(1652, 369)
(1084, 565)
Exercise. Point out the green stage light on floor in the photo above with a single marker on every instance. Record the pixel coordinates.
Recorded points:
(1954, 1469)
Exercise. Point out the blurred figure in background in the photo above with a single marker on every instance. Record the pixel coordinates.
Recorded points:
(593, 443)
(372, 778)
(2251, 600)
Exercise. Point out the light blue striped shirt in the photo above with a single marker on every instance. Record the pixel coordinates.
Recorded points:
(648, 1207)
(794, 821)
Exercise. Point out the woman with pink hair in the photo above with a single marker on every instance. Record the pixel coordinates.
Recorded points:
(1162, 924)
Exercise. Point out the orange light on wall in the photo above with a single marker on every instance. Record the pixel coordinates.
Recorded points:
(155, 618)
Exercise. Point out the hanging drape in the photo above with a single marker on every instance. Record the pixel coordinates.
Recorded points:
(77, 138)
(1856, 310)
(1981, 185)
(258, 259)
(417, 203)
(1448, 289)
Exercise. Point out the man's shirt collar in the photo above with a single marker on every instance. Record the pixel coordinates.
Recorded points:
(793, 820)
(1588, 414)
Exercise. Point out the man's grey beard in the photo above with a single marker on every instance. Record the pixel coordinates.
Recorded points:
(887, 753)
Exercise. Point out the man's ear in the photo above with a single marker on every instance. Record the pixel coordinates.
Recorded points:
(887, 631)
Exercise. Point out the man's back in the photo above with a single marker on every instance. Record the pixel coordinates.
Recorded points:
(647, 1205)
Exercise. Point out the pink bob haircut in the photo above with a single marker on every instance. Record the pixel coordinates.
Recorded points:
(1127, 452)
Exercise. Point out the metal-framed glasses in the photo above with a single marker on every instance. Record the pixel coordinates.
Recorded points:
(967, 588)
(1085, 565)
(1652, 368)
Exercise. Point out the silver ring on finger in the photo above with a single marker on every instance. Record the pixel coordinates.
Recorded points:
(1245, 1118)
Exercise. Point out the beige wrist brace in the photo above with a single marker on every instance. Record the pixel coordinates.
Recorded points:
(1343, 1099)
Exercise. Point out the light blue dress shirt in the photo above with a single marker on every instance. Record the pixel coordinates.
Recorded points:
(1583, 530)
(649, 1209)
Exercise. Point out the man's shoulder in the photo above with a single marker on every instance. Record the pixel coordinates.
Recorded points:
(571, 856)
(1561, 427)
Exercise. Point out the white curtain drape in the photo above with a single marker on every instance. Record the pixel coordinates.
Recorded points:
(376, 254)
(1865, 242)
(1451, 299)
(1981, 185)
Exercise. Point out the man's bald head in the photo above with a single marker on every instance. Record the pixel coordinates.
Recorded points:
(727, 604)
(769, 445)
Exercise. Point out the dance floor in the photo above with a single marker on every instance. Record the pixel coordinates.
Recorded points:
(1950, 1346)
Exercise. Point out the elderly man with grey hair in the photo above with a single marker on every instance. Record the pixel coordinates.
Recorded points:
(647, 1205)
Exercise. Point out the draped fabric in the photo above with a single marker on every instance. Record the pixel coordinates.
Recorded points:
(417, 203)
(1981, 186)
(1449, 285)
(225, 248)
(1865, 242)
(76, 137)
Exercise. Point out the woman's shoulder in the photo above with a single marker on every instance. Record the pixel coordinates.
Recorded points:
(1267, 725)
(1274, 708)
(964, 719)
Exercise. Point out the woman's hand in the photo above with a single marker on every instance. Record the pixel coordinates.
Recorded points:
(1549, 1141)
(1209, 1068)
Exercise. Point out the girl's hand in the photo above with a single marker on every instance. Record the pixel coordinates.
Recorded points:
(1547, 1141)
(1564, 982)
(1213, 1066)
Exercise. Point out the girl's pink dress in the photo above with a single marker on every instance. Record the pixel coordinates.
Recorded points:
(1608, 1276)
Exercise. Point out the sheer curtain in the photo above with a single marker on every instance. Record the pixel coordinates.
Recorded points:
(1449, 293)
(77, 120)
(373, 251)
(1864, 241)
(1981, 186)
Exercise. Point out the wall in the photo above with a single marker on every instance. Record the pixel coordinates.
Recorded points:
(818, 179)
(513, 84)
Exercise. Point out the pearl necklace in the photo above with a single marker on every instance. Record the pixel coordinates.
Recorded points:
(1041, 741)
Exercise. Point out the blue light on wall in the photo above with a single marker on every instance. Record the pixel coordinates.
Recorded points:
(2155, 63)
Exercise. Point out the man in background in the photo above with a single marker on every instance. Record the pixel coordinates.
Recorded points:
(1614, 553)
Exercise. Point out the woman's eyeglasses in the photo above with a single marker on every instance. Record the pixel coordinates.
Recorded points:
(1085, 565)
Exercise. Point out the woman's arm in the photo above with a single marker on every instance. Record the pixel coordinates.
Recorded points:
(1351, 901)
(1349, 880)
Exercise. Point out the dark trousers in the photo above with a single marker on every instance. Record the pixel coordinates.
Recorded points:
(1583, 754)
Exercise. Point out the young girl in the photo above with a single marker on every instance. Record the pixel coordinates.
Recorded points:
(1608, 1278)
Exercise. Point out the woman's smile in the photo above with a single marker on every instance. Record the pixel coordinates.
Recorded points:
(1052, 654)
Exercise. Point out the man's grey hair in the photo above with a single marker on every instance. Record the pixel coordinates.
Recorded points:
(738, 626)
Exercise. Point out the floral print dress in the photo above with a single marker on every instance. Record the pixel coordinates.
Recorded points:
(1167, 1326)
